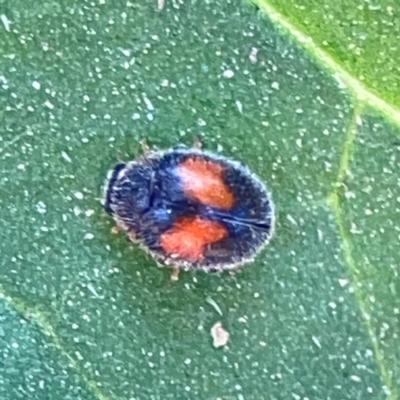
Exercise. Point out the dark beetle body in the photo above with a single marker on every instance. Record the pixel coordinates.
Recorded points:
(191, 209)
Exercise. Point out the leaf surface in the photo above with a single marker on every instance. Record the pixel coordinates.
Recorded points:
(317, 314)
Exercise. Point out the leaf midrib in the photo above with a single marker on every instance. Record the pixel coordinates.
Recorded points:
(362, 96)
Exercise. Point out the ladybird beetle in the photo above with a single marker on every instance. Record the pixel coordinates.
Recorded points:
(191, 209)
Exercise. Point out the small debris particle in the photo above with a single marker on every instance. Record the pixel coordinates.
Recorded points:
(78, 195)
(115, 229)
(253, 55)
(219, 334)
(212, 303)
(89, 236)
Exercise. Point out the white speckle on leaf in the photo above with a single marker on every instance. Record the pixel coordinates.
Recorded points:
(48, 104)
(291, 219)
(316, 341)
(77, 211)
(355, 378)
(66, 157)
(219, 334)
(299, 111)
(36, 85)
(78, 195)
(187, 361)
(135, 116)
(253, 55)
(44, 228)
(126, 52)
(89, 213)
(160, 4)
(92, 290)
(6, 22)
(86, 317)
(148, 103)
(349, 194)
(239, 105)
(89, 236)
(15, 345)
(228, 74)
(343, 282)
(150, 116)
(340, 82)
(275, 85)
(41, 207)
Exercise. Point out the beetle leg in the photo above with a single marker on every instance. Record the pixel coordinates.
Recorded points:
(145, 147)
(197, 144)
(175, 274)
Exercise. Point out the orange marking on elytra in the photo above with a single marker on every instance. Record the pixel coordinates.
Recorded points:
(203, 181)
(189, 237)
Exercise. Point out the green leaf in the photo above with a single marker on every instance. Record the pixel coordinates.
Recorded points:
(34, 365)
(317, 314)
(361, 35)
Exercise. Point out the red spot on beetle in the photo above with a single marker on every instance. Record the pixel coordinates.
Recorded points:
(203, 181)
(189, 237)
